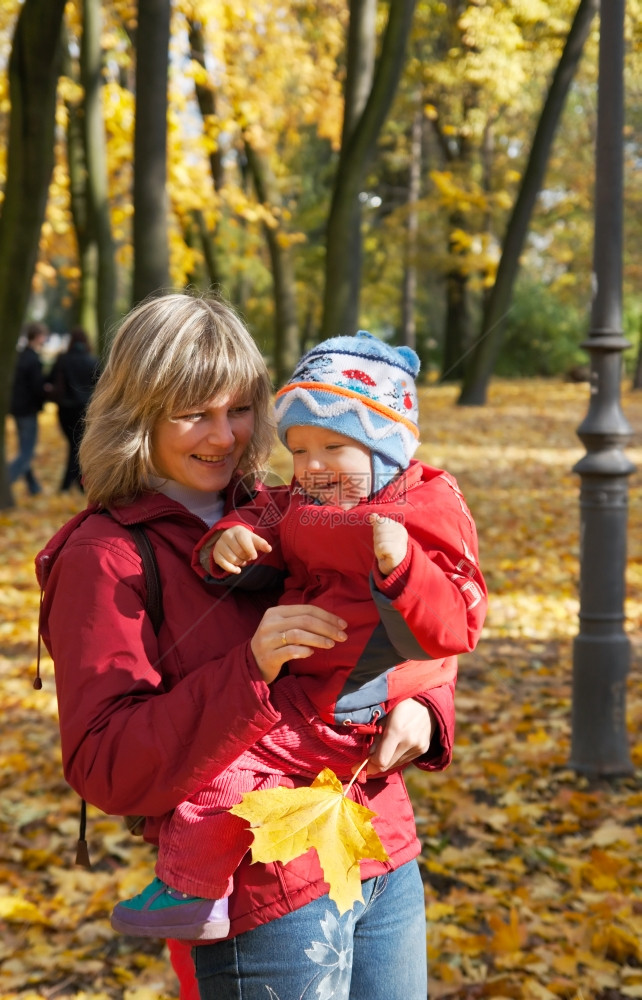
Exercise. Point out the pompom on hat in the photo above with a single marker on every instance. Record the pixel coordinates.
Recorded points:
(362, 388)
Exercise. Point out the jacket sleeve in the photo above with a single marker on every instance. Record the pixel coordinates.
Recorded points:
(35, 377)
(438, 590)
(262, 516)
(441, 700)
(137, 737)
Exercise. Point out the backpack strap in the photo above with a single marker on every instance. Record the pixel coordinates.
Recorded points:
(154, 603)
(154, 608)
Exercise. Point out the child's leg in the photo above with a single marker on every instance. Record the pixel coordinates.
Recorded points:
(200, 846)
(162, 912)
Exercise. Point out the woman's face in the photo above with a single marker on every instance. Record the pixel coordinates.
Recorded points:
(201, 448)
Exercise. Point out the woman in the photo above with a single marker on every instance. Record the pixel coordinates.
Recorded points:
(181, 411)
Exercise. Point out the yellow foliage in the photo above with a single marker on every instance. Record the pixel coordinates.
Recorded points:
(509, 936)
(460, 241)
(618, 943)
(17, 910)
(455, 195)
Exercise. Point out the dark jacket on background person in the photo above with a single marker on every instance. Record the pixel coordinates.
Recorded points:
(72, 381)
(74, 374)
(28, 389)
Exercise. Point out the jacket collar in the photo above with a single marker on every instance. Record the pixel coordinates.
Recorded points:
(150, 505)
(408, 480)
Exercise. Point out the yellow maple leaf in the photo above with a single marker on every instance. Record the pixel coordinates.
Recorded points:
(506, 937)
(287, 822)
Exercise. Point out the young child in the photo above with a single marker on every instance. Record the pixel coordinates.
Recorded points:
(365, 532)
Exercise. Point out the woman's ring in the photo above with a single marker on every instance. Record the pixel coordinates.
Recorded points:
(283, 639)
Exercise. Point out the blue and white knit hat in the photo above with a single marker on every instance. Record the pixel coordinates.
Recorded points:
(363, 388)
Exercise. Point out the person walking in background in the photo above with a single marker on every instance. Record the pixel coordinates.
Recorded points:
(27, 399)
(73, 378)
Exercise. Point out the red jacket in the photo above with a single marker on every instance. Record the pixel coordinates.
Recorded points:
(405, 629)
(146, 721)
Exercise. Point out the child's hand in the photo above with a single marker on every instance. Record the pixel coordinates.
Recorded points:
(390, 543)
(236, 547)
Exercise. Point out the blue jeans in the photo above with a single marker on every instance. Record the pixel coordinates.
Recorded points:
(377, 951)
(27, 428)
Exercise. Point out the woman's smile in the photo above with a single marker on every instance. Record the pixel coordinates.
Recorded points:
(212, 459)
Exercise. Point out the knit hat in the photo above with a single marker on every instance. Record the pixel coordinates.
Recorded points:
(362, 388)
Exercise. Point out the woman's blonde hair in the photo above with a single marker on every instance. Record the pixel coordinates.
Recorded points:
(172, 353)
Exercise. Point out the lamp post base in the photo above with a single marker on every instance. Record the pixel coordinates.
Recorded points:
(599, 746)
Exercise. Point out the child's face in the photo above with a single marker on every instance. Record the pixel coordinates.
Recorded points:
(331, 467)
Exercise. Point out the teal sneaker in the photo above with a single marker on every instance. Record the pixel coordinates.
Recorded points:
(162, 912)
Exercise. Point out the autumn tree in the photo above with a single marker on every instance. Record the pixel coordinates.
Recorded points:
(88, 180)
(369, 91)
(251, 201)
(196, 225)
(475, 71)
(408, 328)
(480, 367)
(286, 325)
(255, 152)
(266, 122)
(34, 68)
(150, 233)
(98, 215)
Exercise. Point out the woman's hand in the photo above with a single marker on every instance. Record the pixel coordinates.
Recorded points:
(407, 732)
(292, 632)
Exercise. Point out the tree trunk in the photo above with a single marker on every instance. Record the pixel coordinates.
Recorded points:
(409, 287)
(361, 130)
(96, 163)
(85, 307)
(151, 246)
(360, 61)
(207, 106)
(457, 325)
(209, 247)
(482, 363)
(34, 67)
(286, 327)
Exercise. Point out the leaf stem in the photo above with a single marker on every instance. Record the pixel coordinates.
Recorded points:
(355, 776)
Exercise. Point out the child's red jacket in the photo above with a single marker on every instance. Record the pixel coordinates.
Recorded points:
(405, 629)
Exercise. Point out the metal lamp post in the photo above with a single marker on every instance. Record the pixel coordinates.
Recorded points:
(601, 652)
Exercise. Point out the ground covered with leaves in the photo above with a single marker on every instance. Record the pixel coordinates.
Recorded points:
(533, 876)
